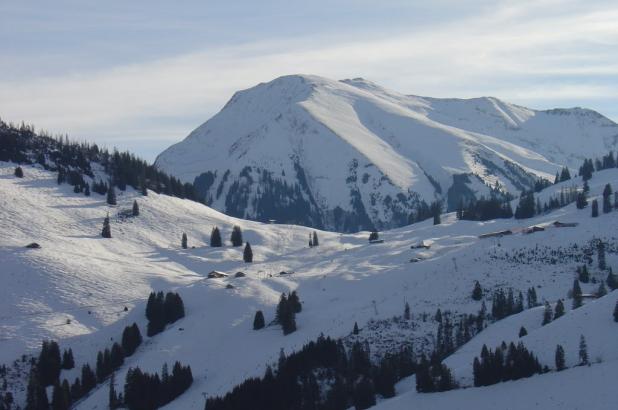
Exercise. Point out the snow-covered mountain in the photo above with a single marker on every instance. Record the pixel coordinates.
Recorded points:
(75, 288)
(349, 155)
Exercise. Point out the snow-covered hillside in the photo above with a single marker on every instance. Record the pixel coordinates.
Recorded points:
(349, 155)
(78, 275)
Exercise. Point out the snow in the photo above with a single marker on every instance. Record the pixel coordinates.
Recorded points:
(326, 125)
(344, 280)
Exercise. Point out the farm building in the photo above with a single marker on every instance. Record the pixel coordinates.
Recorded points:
(217, 274)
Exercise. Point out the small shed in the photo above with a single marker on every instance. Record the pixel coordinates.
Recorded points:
(217, 274)
(420, 245)
(559, 224)
(534, 229)
(497, 234)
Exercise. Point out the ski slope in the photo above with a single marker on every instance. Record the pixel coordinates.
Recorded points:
(80, 276)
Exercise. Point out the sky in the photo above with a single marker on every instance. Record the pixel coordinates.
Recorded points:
(141, 75)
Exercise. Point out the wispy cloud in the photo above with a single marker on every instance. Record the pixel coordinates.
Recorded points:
(529, 52)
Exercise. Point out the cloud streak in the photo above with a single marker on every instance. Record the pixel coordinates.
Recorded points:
(528, 52)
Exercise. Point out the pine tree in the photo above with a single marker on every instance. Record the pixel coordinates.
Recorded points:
(87, 189)
(355, 330)
(582, 201)
(294, 302)
(601, 291)
(477, 292)
(583, 351)
(215, 238)
(107, 230)
(616, 312)
(436, 210)
(315, 239)
(559, 358)
(607, 201)
(373, 236)
(595, 208)
(247, 254)
(612, 280)
(19, 173)
(577, 294)
(565, 175)
(310, 241)
(67, 360)
(523, 332)
(258, 320)
(406, 311)
(111, 195)
(583, 275)
(236, 237)
(547, 314)
(59, 400)
(112, 396)
(559, 311)
(183, 241)
(135, 210)
(36, 396)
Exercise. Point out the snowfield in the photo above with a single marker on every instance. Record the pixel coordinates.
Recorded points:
(75, 288)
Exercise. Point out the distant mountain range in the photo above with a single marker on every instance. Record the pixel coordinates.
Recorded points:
(350, 155)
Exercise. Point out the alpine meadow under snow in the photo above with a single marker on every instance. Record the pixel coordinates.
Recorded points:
(441, 254)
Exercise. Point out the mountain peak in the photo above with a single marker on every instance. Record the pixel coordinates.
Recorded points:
(353, 155)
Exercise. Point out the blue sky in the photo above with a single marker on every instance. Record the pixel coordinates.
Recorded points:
(141, 75)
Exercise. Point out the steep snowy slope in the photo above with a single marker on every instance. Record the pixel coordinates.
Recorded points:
(79, 276)
(349, 155)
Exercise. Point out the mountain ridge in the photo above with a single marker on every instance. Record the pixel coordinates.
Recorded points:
(358, 156)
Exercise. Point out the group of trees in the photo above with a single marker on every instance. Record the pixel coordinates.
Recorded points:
(162, 310)
(313, 239)
(145, 391)
(504, 363)
(589, 166)
(322, 375)
(288, 307)
(424, 211)
(484, 209)
(505, 304)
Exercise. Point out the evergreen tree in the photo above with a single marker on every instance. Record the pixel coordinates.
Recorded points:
(355, 331)
(258, 320)
(363, 396)
(67, 360)
(310, 241)
(247, 254)
(577, 294)
(612, 280)
(36, 396)
(526, 207)
(315, 239)
(215, 238)
(607, 199)
(601, 291)
(76, 390)
(373, 236)
(111, 195)
(89, 379)
(236, 237)
(559, 311)
(616, 312)
(87, 189)
(60, 401)
(583, 351)
(560, 358)
(294, 302)
(582, 274)
(135, 210)
(477, 292)
(565, 175)
(436, 210)
(582, 201)
(19, 173)
(532, 298)
(107, 230)
(183, 241)
(49, 363)
(131, 339)
(112, 397)
(547, 314)
(523, 332)
(595, 208)
(406, 311)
